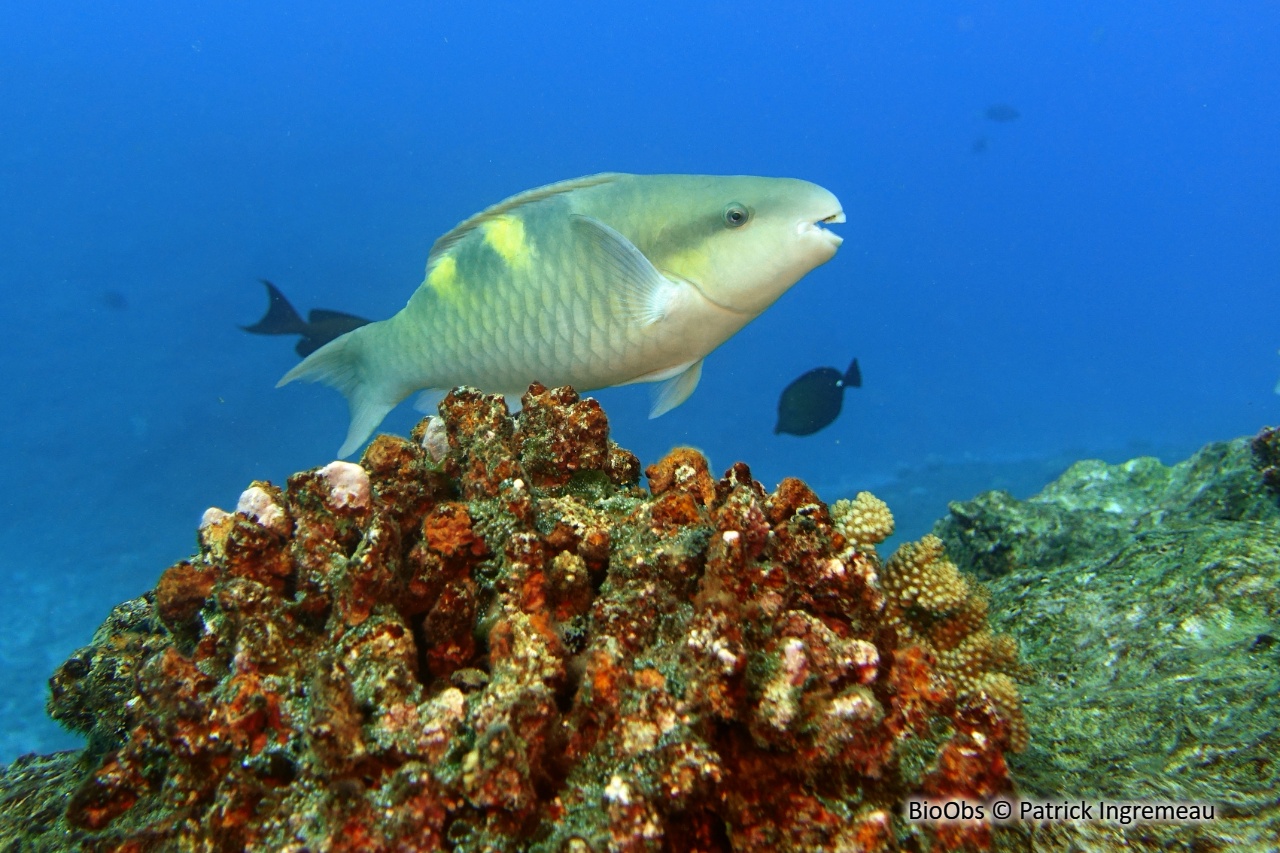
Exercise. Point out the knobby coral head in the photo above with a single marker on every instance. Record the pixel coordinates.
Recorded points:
(504, 642)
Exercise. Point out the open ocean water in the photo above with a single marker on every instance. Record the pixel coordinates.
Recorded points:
(1093, 277)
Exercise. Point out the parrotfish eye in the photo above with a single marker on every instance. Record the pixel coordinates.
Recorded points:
(736, 215)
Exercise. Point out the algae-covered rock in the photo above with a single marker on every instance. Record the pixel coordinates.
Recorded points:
(1147, 598)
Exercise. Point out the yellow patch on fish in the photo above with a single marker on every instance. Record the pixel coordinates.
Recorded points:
(443, 279)
(690, 265)
(505, 235)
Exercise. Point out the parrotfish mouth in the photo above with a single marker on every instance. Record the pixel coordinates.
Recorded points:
(816, 226)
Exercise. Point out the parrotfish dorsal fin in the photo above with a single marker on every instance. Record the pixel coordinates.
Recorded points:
(450, 238)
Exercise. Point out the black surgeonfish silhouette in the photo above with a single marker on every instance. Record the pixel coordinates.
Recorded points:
(813, 401)
(320, 327)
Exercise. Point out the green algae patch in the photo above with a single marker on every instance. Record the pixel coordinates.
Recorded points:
(1147, 599)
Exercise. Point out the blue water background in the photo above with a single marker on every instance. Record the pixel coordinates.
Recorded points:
(1101, 280)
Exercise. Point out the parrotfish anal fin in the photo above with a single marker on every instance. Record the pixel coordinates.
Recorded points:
(428, 401)
(450, 238)
(338, 364)
(366, 413)
(674, 391)
(644, 292)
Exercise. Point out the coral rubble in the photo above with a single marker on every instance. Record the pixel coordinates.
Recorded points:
(1148, 597)
(489, 637)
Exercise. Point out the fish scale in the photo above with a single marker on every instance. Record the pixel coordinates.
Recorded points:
(599, 281)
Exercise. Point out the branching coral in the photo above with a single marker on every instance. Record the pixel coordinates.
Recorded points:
(865, 521)
(932, 603)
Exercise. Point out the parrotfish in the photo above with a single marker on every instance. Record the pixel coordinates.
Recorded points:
(594, 282)
(813, 401)
(320, 327)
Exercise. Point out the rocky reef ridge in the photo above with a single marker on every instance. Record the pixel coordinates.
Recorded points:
(490, 637)
(1147, 599)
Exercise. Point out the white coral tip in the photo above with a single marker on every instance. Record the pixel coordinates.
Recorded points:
(348, 484)
(212, 516)
(256, 503)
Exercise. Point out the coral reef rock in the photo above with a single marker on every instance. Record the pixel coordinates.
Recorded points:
(489, 637)
(1148, 599)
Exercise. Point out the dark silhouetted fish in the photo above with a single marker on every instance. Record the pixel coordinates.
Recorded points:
(318, 329)
(813, 401)
(1002, 112)
(979, 145)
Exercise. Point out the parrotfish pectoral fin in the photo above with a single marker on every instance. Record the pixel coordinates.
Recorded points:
(644, 292)
(674, 391)
(339, 365)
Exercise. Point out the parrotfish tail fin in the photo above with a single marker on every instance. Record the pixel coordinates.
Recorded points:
(674, 391)
(853, 376)
(280, 318)
(340, 364)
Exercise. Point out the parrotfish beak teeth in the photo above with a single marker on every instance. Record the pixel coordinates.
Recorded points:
(833, 219)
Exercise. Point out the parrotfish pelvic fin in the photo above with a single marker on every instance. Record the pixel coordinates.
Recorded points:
(674, 391)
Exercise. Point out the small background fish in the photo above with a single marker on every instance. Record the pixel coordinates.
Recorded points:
(813, 401)
(320, 327)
